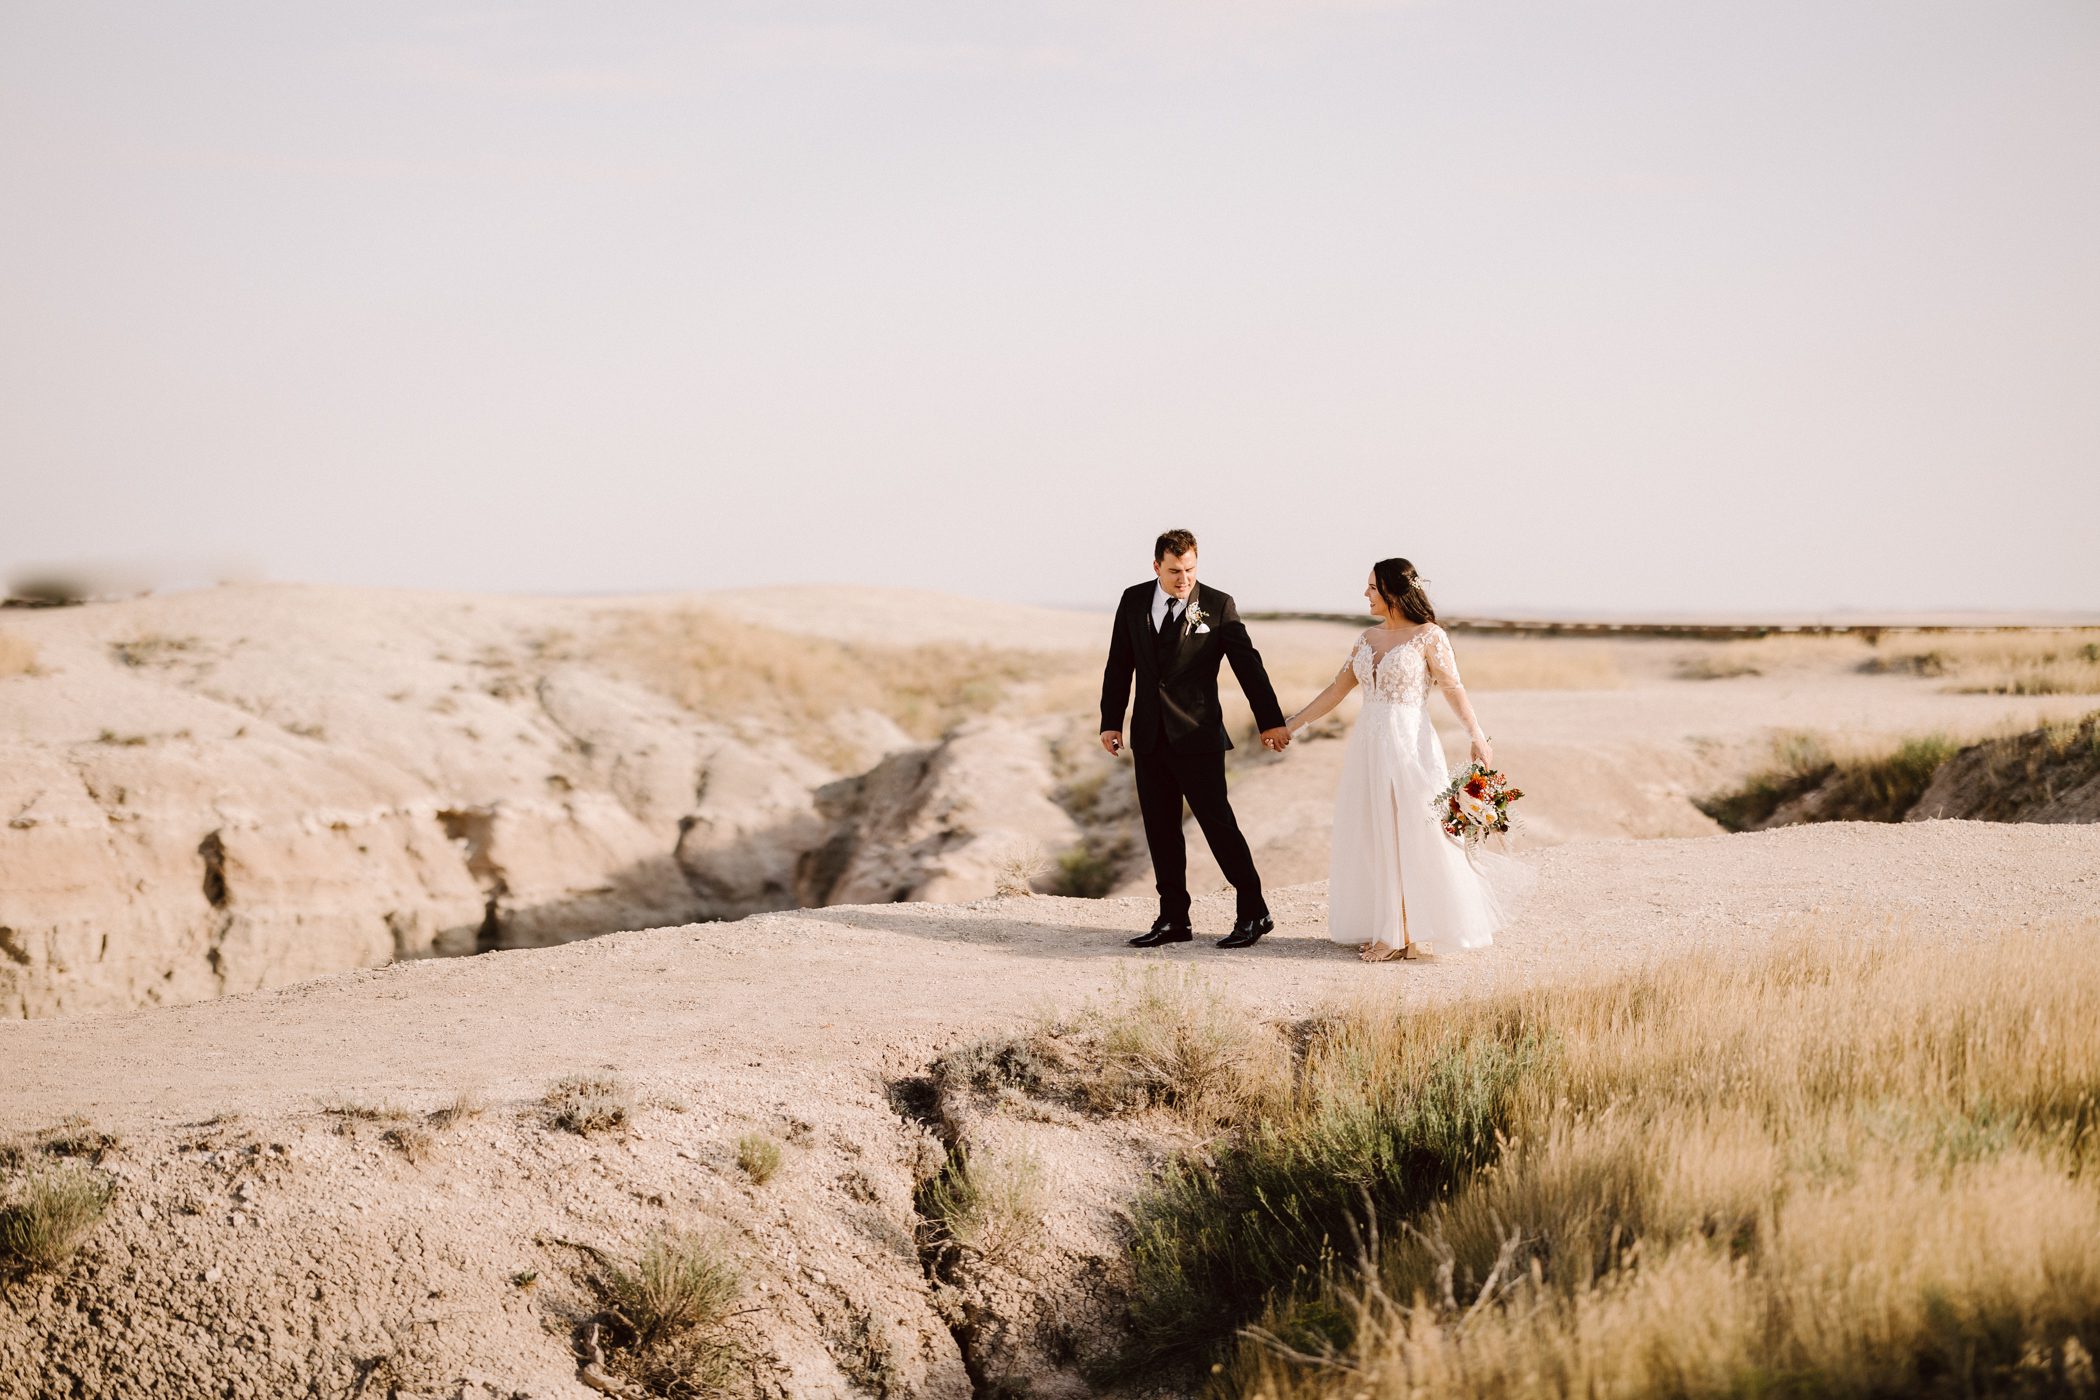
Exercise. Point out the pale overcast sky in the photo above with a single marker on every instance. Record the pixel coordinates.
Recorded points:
(1762, 305)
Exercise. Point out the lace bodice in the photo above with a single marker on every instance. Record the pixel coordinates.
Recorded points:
(1403, 672)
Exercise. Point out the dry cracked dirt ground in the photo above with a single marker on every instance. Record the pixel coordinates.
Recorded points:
(275, 1231)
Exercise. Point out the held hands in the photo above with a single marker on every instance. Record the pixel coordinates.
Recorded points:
(1276, 740)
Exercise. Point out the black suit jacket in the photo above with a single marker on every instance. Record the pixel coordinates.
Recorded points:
(1180, 699)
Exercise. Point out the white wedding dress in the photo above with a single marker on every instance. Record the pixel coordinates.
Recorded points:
(1395, 875)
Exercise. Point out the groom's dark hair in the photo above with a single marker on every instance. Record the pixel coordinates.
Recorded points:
(1173, 542)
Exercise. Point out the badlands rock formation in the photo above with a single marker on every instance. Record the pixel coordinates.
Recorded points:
(243, 787)
(238, 788)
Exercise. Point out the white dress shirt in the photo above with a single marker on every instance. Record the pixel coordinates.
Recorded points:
(1160, 599)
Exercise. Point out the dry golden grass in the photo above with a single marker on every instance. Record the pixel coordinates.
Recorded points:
(589, 1103)
(1166, 1040)
(1857, 1165)
(1781, 651)
(2010, 661)
(719, 666)
(1018, 866)
(1537, 663)
(671, 1310)
(17, 656)
(992, 1205)
(759, 1156)
(47, 1212)
(2063, 662)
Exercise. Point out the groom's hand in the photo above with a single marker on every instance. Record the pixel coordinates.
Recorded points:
(1112, 740)
(1276, 740)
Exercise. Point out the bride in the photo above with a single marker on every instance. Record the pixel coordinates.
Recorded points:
(1399, 887)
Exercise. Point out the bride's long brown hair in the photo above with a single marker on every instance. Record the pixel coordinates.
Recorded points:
(1401, 587)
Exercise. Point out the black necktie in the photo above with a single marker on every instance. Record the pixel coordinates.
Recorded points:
(1166, 625)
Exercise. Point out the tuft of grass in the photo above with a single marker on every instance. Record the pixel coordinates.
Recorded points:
(989, 1204)
(76, 1136)
(681, 1282)
(411, 1140)
(467, 1104)
(360, 1111)
(589, 1103)
(1168, 1041)
(867, 1356)
(48, 1212)
(1036, 1062)
(1018, 867)
(759, 1157)
(17, 656)
(1175, 1042)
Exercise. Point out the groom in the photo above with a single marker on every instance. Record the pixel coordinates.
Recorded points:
(1171, 634)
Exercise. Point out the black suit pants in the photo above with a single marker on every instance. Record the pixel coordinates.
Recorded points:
(1164, 779)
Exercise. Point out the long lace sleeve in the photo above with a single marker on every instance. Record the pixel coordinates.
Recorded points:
(1443, 670)
(1443, 666)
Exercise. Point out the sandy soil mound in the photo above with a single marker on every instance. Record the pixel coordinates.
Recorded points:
(261, 1244)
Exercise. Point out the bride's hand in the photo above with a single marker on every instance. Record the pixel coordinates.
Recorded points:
(1483, 752)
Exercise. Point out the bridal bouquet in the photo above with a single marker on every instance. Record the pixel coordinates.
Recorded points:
(1476, 804)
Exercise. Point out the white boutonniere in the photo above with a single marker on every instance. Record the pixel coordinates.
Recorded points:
(1196, 618)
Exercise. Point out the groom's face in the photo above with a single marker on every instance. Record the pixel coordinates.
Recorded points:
(1177, 573)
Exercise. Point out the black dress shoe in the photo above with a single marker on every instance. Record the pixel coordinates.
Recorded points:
(1247, 932)
(1164, 931)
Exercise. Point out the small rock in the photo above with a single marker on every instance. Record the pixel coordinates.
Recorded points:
(211, 1275)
